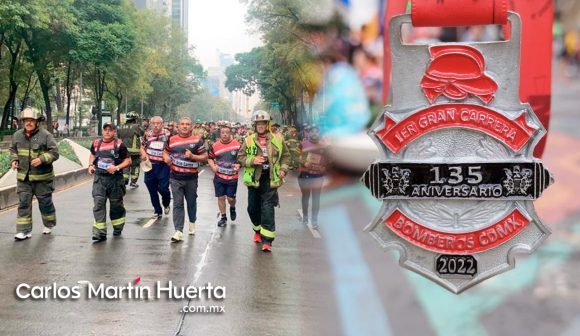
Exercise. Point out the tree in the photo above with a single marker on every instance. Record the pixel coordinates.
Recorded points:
(10, 22)
(282, 70)
(106, 35)
(182, 77)
(125, 55)
(47, 31)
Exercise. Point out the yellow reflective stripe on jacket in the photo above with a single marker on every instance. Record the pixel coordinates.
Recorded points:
(27, 153)
(249, 170)
(278, 142)
(135, 148)
(24, 220)
(100, 225)
(117, 222)
(251, 150)
(36, 177)
(268, 233)
(47, 157)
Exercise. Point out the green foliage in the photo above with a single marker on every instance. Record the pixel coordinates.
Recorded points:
(4, 163)
(282, 70)
(65, 149)
(85, 143)
(181, 78)
(125, 55)
(245, 75)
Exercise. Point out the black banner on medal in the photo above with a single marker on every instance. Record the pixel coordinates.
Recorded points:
(480, 180)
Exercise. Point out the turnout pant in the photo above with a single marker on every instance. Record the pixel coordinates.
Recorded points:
(112, 188)
(157, 182)
(43, 192)
(132, 172)
(184, 190)
(261, 203)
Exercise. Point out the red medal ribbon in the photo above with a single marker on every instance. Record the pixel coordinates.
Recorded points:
(453, 13)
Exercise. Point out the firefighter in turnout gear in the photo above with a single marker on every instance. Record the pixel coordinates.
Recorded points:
(109, 156)
(265, 159)
(293, 144)
(32, 153)
(199, 129)
(130, 134)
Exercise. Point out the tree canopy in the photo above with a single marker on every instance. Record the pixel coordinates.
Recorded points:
(283, 70)
(126, 57)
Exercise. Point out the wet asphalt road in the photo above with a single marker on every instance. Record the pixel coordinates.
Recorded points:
(265, 293)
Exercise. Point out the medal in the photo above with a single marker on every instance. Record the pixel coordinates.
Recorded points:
(457, 178)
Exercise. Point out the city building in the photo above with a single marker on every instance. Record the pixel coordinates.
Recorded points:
(178, 10)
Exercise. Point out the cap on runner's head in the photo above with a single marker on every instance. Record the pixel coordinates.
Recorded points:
(109, 124)
(30, 113)
(260, 116)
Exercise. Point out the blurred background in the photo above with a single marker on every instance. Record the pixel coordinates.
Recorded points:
(84, 62)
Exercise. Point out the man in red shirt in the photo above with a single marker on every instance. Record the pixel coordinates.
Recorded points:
(223, 161)
(157, 179)
(183, 153)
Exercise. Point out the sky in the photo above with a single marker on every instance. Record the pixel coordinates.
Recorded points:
(218, 24)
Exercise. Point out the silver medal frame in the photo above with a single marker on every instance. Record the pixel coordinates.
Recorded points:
(456, 145)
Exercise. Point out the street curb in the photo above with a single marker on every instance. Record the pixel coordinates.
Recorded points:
(9, 197)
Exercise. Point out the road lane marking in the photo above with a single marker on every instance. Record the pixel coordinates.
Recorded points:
(199, 269)
(150, 222)
(315, 233)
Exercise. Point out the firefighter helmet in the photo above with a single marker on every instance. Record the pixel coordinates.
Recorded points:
(30, 113)
(260, 116)
(131, 116)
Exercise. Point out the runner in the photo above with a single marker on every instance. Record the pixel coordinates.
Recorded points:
(223, 162)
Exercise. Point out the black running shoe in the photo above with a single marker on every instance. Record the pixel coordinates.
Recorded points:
(233, 214)
(223, 221)
(97, 238)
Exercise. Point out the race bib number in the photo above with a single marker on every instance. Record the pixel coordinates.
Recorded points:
(226, 171)
(158, 145)
(184, 163)
(104, 164)
(154, 152)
